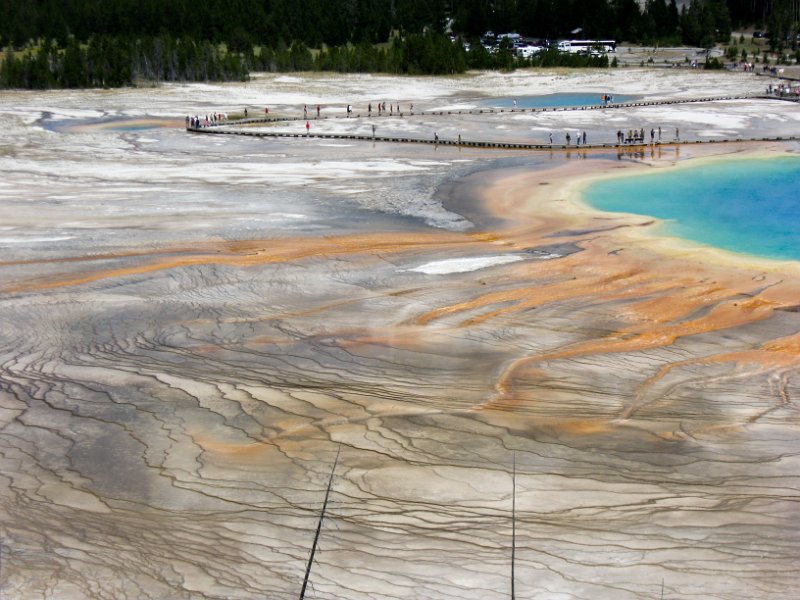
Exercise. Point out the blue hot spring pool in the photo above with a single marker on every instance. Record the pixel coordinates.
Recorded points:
(747, 206)
(557, 100)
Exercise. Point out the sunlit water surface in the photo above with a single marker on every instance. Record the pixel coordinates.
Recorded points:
(744, 206)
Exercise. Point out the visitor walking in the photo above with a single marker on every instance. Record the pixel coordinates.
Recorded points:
(308, 128)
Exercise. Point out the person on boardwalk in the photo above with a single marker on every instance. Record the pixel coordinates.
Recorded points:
(369, 109)
(305, 111)
(568, 138)
(652, 135)
(373, 132)
(584, 137)
(308, 128)
(318, 111)
(436, 137)
(551, 138)
(245, 112)
(677, 134)
(266, 110)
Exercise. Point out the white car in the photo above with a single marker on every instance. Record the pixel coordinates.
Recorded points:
(528, 51)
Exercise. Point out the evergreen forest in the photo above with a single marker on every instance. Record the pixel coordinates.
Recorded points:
(110, 43)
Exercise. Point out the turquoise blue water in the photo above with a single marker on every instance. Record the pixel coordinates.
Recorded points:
(556, 100)
(747, 206)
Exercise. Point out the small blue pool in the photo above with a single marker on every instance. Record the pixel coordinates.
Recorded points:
(565, 99)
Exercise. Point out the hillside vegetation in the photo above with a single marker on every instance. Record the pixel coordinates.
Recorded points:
(107, 43)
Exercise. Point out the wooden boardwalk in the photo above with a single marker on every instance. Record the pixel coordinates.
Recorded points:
(239, 127)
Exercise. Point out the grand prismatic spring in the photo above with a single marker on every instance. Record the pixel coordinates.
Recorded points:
(194, 325)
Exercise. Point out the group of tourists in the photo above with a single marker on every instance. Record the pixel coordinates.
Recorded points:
(784, 90)
(637, 136)
(382, 108)
(580, 138)
(633, 136)
(196, 122)
(750, 67)
(393, 108)
(305, 111)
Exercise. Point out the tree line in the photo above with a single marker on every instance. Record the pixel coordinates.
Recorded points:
(119, 61)
(624, 20)
(244, 23)
(415, 54)
(77, 43)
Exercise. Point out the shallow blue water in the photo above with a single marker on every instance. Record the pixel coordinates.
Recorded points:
(556, 100)
(747, 206)
(123, 124)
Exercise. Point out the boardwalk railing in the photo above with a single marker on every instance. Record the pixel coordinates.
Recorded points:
(238, 127)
